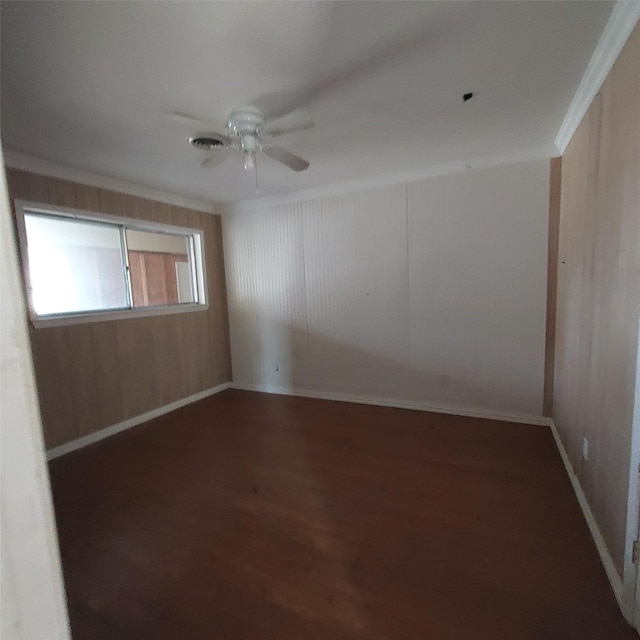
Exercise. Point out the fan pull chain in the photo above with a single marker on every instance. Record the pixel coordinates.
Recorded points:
(255, 165)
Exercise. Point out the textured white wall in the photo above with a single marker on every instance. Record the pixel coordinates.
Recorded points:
(431, 293)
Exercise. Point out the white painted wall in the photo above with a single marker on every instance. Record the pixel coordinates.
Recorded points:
(32, 594)
(429, 294)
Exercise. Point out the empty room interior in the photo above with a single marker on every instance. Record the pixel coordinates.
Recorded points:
(320, 320)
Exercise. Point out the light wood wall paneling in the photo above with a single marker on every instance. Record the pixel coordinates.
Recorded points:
(62, 193)
(164, 212)
(140, 389)
(88, 198)
(28, 186)
(217, 281)
(195, 336)
(599, 294)
(179, 216)
(94, 375)
(573, 298)
(616, 288)
(112, 202)
(83, 375)
(105, 355)
(53, 363)
(168, 355)
(555, 178)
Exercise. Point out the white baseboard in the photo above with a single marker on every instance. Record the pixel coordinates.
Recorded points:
(96, 436)
(601, 545)
(605, 557)
(397, 404)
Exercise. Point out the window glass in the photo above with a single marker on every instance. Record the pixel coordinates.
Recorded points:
(86, 267)
(74, 266)
(160, 268)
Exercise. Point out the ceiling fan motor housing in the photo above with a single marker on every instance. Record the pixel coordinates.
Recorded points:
(246, 121)
(244, 131)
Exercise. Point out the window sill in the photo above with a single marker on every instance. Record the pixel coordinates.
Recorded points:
(119, 314)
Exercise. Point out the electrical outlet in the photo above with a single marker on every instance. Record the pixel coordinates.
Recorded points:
(585, 449)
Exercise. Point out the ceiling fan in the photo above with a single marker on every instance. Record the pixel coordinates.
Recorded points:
(246, 130)
(251, 129)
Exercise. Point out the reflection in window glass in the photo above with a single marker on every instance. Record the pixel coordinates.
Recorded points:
(74, 266)
(79, 262)
(160, 268)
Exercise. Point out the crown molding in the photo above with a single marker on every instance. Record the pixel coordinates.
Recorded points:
(25, 162)
(621, 23)
(390, 179)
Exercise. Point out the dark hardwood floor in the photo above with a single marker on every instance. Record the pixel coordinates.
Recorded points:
(258, 517)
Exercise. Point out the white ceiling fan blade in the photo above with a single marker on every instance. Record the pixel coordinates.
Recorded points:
(287, 125)
(184, 118)
(214, 159)
(286, 157)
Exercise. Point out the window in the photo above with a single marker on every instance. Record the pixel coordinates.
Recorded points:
(83, 267)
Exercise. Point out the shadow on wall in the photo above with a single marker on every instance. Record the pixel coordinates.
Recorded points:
(272, 355)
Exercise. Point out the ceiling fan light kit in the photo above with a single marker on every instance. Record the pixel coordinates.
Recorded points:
(245, 124)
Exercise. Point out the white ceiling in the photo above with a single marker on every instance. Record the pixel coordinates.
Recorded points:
(87, 84)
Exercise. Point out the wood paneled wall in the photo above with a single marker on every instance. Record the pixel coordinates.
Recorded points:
(555, 181)
(599, 294)
(95, 375)
(153, 277)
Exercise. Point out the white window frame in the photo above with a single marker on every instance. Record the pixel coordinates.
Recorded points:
(196, 239)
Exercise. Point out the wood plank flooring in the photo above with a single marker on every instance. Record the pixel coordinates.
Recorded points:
(258, 517)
